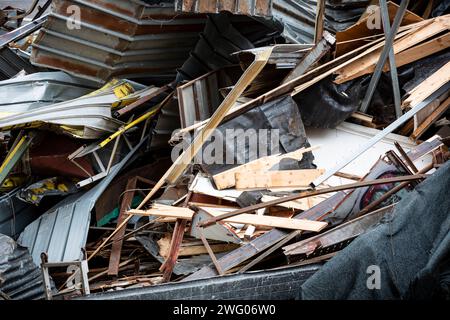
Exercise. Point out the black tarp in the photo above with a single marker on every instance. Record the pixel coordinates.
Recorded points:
(411, 247)
(281, 114)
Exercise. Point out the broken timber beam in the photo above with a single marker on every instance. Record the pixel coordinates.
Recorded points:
(320, 20)
(267, 240)
(251, 219)
(276, 179)
(227, 178)
(271, 239)
(184, 160)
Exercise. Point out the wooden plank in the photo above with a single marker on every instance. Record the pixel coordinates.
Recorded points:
(431, 119)
(276, 179)
(366, 64)
(319, 23)
(268, 221)
(362, 116)
(227, 179)
(175, 243)
(421, 51)
(188, 250)
(307, 194)
(301, 204)
(428, 86)
(116, 249)
(366, 26)
(165, 211)
(211, 254)
(251, 229)
(184, 160)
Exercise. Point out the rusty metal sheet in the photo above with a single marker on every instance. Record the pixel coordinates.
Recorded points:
(257, 8)
(120, 38)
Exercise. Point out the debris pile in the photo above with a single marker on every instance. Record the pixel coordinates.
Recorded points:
(150, 145)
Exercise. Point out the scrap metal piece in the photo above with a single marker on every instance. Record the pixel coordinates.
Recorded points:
(31, 92)
(379, 136)
(62, 231)
(21, 145)
(342, 233)
(392, 64)
(20, 278)
(183, 161)
(86, 117)
(22, 32)
(384, 54)
(116, 38)
(220, 232)
(15, 215)
(82, 266)
(56, 186)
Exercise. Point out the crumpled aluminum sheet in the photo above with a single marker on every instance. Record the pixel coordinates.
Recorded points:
(20, 278)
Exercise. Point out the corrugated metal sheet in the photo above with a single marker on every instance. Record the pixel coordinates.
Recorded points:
(199, 98)
(257, 8)
(87, 117)
(20, 278)
(298, 16)
(117, 38)
(62, 231)
(214, 50)
(33, 91)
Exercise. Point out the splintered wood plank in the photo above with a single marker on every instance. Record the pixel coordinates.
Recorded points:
(185, 159)
(165, 211)
(366, 64)
(186, 251)
(278, 222)
(428, 86)
(227, 179)
(276, 179)
(302, 204)
(354, 36)
(268, 221)
(421, 51)
(435, 115)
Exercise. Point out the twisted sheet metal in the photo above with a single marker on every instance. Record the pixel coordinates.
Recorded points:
(123, 38)
(20, 278)
(62, 231)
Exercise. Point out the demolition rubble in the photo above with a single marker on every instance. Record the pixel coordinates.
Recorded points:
(188, 149)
